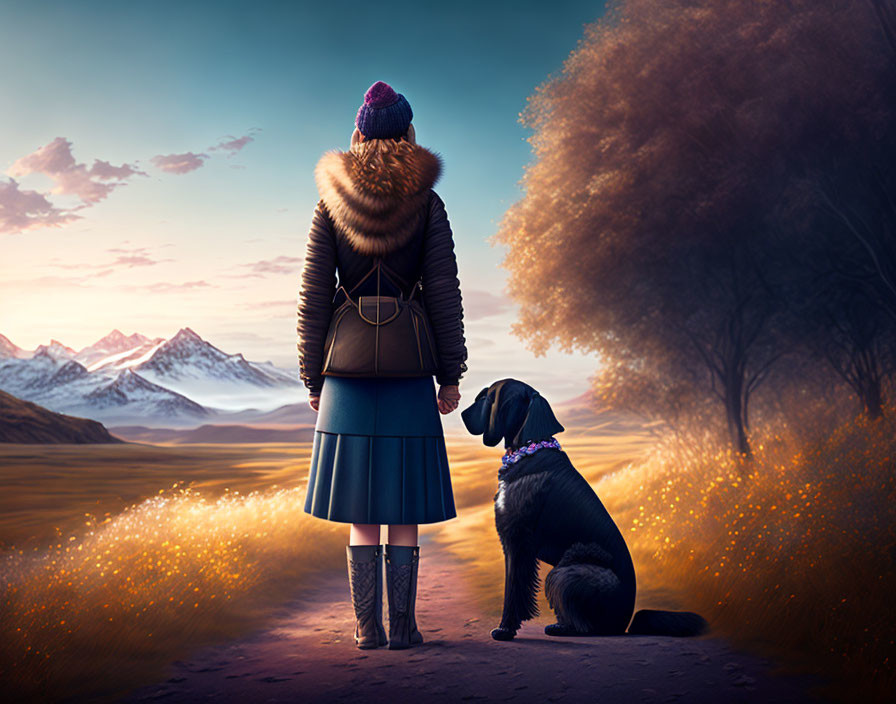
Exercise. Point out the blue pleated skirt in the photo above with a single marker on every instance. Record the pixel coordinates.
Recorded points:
(379, 453)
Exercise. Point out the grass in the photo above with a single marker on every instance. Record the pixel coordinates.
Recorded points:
(791, 555)
(117, 603)
(119, 559)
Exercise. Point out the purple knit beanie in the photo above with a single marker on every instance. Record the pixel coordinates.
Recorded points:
(384, 113)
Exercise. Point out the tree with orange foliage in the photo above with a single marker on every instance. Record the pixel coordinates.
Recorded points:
(659, 226)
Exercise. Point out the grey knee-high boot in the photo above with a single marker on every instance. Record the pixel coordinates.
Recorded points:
(365, 577)
(402, 562)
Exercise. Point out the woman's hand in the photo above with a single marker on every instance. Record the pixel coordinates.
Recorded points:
(314, 401)
(449, 397)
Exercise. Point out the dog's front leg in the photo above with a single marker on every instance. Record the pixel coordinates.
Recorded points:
(520, 589)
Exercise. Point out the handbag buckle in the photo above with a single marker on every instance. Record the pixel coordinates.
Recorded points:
(378, 310)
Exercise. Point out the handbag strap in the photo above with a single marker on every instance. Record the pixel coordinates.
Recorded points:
(378, 267)
(376, 343)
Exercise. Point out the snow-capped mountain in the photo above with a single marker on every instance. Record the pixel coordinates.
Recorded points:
(139, 397)
(137, 379)
(8, 349)
(56, 350)
(67, 373)
(128, 359)
(188, 356)
(23, 376)
(112, 344)
(66, 386)
(195, 368)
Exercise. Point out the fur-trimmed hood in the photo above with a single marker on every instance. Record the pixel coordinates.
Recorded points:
(376, 191)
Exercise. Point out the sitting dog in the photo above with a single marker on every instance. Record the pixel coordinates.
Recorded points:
(545, 510)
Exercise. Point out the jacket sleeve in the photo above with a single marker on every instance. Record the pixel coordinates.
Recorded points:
(315, 302)
(441, 294)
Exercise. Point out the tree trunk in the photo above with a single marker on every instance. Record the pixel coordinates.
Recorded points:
(734, 407)
(862, 371)
(872, 400)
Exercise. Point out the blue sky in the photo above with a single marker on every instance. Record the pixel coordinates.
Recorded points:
(218, 247)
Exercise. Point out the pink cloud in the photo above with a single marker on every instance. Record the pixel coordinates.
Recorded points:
(22, 210)
(179, 163)
(284, 304)
(56, 161)
(277, 265)
(482, 304)
(233, 144)
(28, 210)
(134, 260)
(127, 258)
(167, 287)
(51, 281)
(104, 170)
(134, 256)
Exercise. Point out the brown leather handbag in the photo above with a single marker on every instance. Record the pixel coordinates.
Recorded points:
(379, 335)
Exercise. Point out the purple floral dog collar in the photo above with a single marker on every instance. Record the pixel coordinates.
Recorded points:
(510, 457)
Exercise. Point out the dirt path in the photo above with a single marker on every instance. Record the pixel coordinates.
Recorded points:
(308, 655)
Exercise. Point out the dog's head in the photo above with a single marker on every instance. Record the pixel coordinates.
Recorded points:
(512, 410)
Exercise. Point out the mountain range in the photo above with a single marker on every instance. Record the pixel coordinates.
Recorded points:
(156, 382)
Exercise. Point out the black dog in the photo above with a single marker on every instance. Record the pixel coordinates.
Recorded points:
(545, 510)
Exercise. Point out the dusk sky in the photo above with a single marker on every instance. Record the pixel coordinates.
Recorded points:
(157, 159)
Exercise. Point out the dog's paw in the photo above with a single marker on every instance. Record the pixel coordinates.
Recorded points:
(503, 633)
(556, 629)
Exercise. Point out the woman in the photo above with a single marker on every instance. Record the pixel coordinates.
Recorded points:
(378, 456)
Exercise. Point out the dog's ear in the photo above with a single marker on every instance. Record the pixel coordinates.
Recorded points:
(476, 416)
(539, 423)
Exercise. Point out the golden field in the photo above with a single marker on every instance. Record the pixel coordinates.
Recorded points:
(119, 559)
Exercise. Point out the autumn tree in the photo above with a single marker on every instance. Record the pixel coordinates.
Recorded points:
(851, 175)
(657, 226)
(841, 206)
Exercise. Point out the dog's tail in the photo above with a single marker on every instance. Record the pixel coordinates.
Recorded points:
(650, 622)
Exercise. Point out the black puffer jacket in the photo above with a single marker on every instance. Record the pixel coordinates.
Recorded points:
(377, 200)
